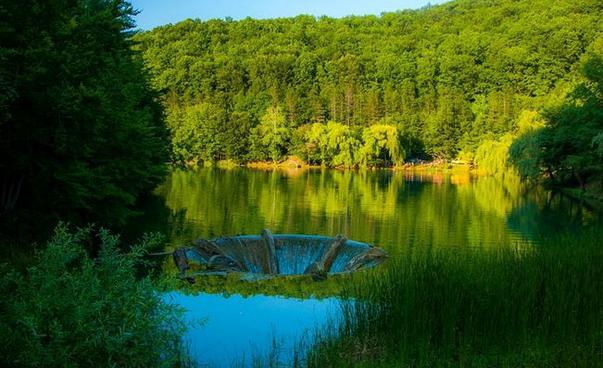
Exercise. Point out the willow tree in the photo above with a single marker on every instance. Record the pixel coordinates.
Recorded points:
(492, 156)
(525, 151)
(315, 137)
(333, 144)
(381, 143)
(342, 144)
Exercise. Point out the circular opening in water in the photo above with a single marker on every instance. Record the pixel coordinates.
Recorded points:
(269, 255)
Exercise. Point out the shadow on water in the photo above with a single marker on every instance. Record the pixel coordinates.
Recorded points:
(394, 210)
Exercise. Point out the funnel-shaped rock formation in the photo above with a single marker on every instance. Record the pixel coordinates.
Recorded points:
(270, 255)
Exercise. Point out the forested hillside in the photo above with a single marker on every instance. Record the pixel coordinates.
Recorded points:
(432, 83)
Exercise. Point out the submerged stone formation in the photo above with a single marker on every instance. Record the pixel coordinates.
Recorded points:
(269, 255)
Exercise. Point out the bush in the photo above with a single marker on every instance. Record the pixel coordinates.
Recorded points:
(69, 309)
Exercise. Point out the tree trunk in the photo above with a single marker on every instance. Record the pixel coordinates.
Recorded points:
(181, 260)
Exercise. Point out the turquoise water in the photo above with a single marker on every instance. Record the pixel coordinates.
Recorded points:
(236, 331)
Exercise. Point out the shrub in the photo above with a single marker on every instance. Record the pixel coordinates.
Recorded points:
(68, 309)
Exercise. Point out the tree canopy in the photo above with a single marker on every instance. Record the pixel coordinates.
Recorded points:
(567, 150)
(447, 77)
(81, 131)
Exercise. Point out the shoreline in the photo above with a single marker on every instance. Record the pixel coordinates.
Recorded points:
(295, 163)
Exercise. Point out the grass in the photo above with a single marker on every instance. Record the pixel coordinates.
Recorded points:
(527, 306)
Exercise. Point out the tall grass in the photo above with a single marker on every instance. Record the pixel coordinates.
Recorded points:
(525, 306)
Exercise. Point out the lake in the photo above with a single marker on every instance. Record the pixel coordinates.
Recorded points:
(398, 211)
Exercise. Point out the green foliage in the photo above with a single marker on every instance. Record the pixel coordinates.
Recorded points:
(336, 144)
(568, 154)
(81, 132)
(342, 144)
(492, 156)
(316, 144)
(332, 144)
(514, 152)
(68, 309)
(301, 287)
(197, 133)
(529, 306)
(525, 155)
(381, 144)
(270, 137)
(449, 77)
(567, 150)
(525, 151)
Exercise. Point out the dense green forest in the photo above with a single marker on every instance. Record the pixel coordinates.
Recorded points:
(81, 132)
(568, 151)
(81, 137)
(459, 80)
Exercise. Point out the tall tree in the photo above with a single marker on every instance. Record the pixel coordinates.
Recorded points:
(272, 134)
(81, 133)
(570, 143)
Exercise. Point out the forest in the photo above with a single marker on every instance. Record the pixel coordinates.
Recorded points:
(99, 118)
(509, 86)
(442, 82)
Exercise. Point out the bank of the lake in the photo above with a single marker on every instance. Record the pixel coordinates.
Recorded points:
(294, 162)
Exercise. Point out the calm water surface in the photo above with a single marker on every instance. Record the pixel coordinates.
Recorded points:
(236, 331)
(394, 210)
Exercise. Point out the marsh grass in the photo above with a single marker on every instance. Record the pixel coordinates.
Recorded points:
(283, 355)
(522, 306)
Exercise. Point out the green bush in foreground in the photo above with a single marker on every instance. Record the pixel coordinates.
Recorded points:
(536, 306)
(69, 310)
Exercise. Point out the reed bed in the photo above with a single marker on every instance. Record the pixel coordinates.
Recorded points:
(522, 306)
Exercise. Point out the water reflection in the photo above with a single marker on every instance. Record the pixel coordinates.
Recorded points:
(235, 330)
(395, 210)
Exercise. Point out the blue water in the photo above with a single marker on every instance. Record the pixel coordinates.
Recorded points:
(233, 330)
